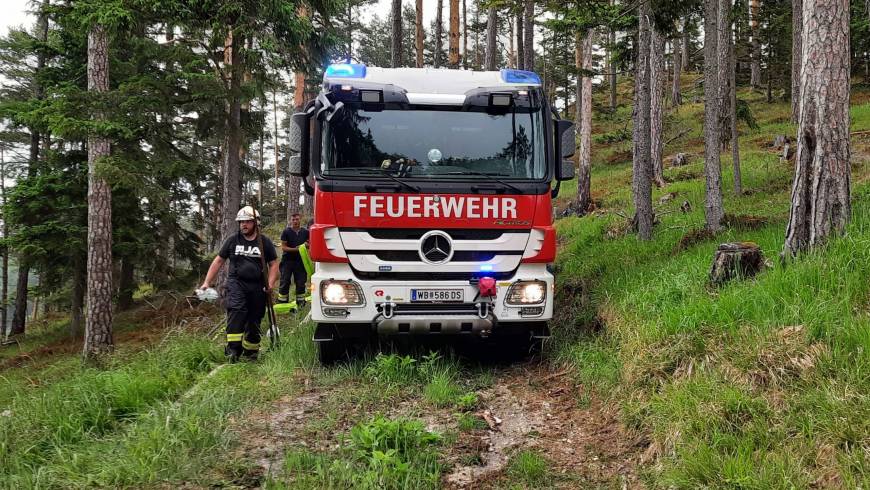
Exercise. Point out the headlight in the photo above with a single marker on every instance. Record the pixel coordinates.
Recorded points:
(343, 293)
(527, 293)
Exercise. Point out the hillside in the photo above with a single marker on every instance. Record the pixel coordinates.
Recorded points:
(652, 378)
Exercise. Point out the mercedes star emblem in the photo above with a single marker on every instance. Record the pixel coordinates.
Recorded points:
(436, 247)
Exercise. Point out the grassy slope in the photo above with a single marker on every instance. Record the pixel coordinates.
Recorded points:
(763, 383)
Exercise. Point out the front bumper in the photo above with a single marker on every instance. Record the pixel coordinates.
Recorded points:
(388, 308)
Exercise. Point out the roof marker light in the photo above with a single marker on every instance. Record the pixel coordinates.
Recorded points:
(345, 70)
(520, 76)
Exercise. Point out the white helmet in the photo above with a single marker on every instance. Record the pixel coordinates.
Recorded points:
(247, 213)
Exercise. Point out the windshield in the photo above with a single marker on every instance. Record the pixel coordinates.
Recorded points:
(434, 144)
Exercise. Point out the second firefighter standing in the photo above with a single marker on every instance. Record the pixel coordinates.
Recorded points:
(292, 261)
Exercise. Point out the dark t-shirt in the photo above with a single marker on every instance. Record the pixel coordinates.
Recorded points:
(244, 257)
(294, 239)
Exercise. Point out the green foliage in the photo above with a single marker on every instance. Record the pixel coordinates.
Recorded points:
(381, 453)
(529, 468)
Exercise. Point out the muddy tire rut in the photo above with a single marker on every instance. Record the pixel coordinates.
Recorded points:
(527, 406)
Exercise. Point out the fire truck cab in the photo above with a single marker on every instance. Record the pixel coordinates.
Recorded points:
(432, 197)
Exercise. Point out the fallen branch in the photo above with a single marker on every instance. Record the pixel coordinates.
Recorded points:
(678, 136)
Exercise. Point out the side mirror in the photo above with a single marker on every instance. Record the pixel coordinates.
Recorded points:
(295, 165)
(299, 143)
(566, 170)
(566, 136)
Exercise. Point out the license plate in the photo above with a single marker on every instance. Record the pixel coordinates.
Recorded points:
(432, 295)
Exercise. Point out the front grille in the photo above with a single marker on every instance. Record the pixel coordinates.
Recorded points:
(417, 233)
(430, 276)
(414, 256)
(435, 308)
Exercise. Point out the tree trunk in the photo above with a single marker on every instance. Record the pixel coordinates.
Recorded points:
(820, 201)
(723, 32)
(418, 40)
(98, 326)
(713, 211)
(127, 284)
(19, 318)
(735, 144)
(584, 121)
(491, 34)
(612, 72)
(529, 33)
(277, 158)
(478, 63)
(79, 286)
(260, 163)
(796, 62)
(231, 195)
(396, 34)
(657, 95)
(295, 183)
(4, 288)
(439, 33)
(453, 41)
(641, 183)
(512, 56)
(676, 94)
(755, 47)
(521, 52)
(464, 35)
(687, 53)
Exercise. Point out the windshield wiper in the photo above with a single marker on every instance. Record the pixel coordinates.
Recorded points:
(386, 173)
(491, 175)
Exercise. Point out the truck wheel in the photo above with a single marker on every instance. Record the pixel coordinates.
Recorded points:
(331, 352)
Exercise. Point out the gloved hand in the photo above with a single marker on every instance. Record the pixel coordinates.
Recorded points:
(206, 294)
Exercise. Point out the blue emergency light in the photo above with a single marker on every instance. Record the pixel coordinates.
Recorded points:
(346, 70)
(520, 76)
(486, 268)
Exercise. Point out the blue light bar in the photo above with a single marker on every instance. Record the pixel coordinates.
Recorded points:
(486, 268)
(346, 70)
(520, 76)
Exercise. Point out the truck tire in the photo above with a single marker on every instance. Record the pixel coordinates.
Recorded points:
(331, 352)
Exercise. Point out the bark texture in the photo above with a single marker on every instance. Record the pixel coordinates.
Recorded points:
(529, 36)
(796, 53)
(232, 144)
(396, 34)
(713, 211)
(676, 94)
(657, 99)
(418, 40)
(687, 53)
(453, 42)
(491, 34)
(612, 72)
(584, 122)
(820, 205)
(755, 46)
(439, 33)
(735, 144)
(723, 34)
(464, 35)
(4, 287)
(98, 326)
(641, 182)
(521, 52)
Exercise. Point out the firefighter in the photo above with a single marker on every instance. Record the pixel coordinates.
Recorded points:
(292, 261)
(245, 288)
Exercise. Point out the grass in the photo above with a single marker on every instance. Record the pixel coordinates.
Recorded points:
(762, 383)
(529, 469)
(380, 453)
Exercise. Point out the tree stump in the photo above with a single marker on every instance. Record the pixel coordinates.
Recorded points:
(735, 260)
(780, 141)
(679, 160)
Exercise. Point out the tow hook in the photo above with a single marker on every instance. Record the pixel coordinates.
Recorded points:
(483, 309)
(387, 309)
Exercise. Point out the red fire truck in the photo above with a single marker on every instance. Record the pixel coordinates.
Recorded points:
(432, 197)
